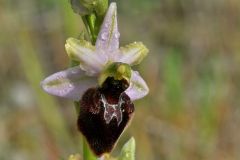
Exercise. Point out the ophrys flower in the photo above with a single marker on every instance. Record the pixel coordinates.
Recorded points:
(103, 83)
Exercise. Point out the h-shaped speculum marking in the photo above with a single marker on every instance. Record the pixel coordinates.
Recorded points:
(112, 110)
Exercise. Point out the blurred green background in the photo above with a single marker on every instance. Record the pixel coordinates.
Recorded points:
(192, 111)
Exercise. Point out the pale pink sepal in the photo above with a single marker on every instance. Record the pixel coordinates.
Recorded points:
(108, 37)
(138, 87)
(70, 83)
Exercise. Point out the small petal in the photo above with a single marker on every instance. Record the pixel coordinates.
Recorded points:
(133, 53)
(70, 83)
(138, 87)
(108, 38)
(82, 51)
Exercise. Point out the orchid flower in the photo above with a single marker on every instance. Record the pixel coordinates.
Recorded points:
(103, 83)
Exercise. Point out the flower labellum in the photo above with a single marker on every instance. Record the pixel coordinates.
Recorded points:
(104, 113)
(104, 84)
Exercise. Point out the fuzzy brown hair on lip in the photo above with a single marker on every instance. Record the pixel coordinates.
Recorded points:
(100, 135)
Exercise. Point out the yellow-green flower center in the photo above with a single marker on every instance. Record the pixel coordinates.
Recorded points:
(117, 70)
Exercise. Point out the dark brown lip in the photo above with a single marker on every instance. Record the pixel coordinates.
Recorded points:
(100, 134)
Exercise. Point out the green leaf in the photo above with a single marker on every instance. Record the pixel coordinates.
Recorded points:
(128, 150)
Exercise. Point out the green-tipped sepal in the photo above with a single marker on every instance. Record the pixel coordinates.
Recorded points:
(133, 53)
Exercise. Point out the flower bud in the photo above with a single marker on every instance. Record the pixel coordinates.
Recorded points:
(79, 8)
(86, 7)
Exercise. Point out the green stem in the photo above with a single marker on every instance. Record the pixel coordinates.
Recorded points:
(84, 19)
(87, 153)
(90, 23)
